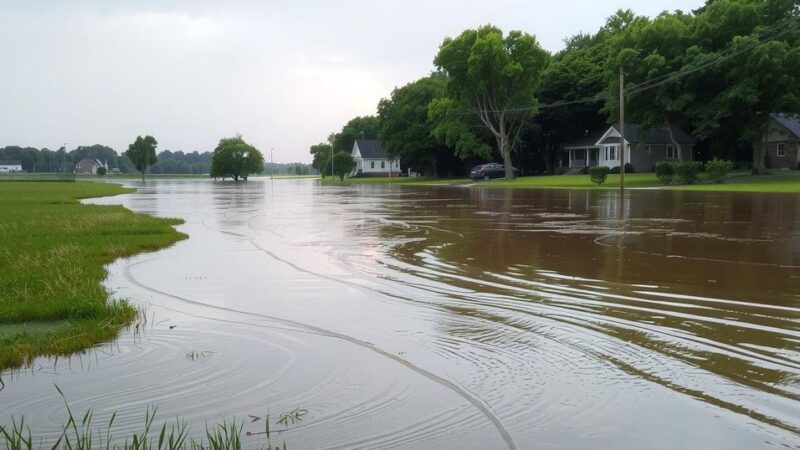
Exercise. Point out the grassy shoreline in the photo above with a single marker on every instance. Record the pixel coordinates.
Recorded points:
(736, 182)
(54, 254)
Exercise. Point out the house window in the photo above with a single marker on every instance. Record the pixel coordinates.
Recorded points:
(383, 164)
(611, 153)
(781, 149)
(671, 153)
(372, 164)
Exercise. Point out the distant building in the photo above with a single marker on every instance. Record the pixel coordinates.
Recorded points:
(9, 166)
(642, 149)
(783, 142)
(89, 166)
(371, 159)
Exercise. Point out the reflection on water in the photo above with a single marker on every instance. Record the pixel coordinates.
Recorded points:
(456, 318)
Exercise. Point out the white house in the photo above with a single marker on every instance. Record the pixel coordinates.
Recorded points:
(7, 166)
(642, 149)
(90, 166)
(371, 159)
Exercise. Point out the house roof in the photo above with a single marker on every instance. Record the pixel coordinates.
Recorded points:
(371, 149)
(587, 141)
(634, 136)
(10, 162)
(791, 123)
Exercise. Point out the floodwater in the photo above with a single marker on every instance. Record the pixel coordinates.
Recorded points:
(453, 317)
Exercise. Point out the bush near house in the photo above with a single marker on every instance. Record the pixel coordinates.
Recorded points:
(687, 171)
(665, 171)
(599, 174)
(717, 169)
(614, 170)
(101, 171)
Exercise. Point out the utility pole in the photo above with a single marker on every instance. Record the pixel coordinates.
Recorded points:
(271, 165)
(333, 177)
(622, 129)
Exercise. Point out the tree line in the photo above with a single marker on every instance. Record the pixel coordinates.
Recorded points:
(717, 72)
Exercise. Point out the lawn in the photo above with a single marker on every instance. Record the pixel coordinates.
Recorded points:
(53, 254)
(737, 181)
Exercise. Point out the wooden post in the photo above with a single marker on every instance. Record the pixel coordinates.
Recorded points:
(622, 129)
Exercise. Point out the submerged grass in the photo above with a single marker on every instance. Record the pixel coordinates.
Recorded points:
(736, 182)
(81, 433)
(53, 254)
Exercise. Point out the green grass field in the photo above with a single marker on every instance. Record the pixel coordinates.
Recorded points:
(53, 254)
(736, 182)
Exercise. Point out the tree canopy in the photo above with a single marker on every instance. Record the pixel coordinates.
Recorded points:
(235, 158)
(365, 127)
(343, 164)
(142, 153)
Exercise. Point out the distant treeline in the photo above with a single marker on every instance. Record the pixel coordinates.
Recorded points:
(169, 162)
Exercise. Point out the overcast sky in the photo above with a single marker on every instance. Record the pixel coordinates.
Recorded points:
(282, 73)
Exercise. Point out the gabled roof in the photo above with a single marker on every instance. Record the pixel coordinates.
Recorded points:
(656, 136)
(587, 141)
(791, 123)
(10, 162)
(371, 149)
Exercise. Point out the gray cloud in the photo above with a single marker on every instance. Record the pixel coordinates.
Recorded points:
(282, 73)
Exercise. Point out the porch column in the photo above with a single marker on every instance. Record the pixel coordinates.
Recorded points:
(587, 156)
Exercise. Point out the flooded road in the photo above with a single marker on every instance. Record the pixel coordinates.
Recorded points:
(453, 317)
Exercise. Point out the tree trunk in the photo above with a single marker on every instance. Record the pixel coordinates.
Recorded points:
(676, 144)
(505, 152)
(759, 152)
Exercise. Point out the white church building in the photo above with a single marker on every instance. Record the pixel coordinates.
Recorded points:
(372, 160)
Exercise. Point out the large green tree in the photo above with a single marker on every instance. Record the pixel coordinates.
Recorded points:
(142, 153)
(406, 129)
(235, 158)
(365, 127)
(651, 53)
(749, 52)
(321, 154)
(492, 84)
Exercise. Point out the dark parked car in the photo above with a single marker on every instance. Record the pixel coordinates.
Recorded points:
(488, 171)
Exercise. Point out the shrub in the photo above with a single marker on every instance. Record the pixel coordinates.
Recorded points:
(598, 174)
(718, 169)
(614, 169)
(665, 170)
(101, 171)
(585, 171)
(687, 171)
(629, 168)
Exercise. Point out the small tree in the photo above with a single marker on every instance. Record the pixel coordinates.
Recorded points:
(343, 164)
(142, 153)
(101, 171)
(598, 174)
(235, 158)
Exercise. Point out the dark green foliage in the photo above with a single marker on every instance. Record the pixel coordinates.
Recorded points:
(599, 174)
(718, 169)
(101, 171)
(343, 164)
(142, 153)
(236, 159)
(614, 170)
(560, 170)
(665, 171)
(357, 128)
(321, 154)
(629, 168)
(585, 171)
(406, 130)
(687, 171)
(493, 79)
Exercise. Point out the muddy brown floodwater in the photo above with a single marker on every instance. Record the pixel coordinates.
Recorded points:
(444, 317)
